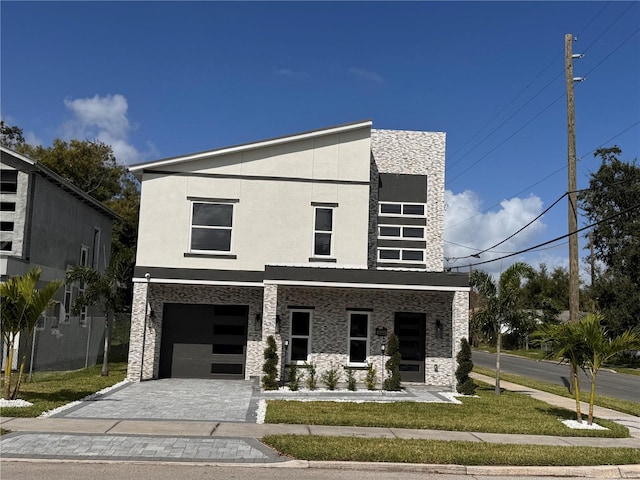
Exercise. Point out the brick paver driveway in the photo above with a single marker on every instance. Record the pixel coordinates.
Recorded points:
(174, 399)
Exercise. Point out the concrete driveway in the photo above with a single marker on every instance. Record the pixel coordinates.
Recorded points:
(174, 399)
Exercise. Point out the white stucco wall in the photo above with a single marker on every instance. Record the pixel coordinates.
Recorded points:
(274, 216)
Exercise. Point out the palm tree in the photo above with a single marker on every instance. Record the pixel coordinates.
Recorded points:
(105, 288)
(566, 344)
(599, 348)
(499, 304)
(21, 305)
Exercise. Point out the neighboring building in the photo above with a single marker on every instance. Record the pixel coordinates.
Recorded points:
(48, 222)
(324, 239)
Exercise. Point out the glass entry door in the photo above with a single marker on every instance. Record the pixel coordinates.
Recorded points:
(410, 330)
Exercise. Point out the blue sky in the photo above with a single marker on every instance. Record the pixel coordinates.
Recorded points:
(157, 79)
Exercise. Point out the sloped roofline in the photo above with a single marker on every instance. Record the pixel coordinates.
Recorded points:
(140, 167)
(34, 165)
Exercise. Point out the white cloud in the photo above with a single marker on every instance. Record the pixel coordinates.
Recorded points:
(366, 75)
(103, 118)
(467, 226)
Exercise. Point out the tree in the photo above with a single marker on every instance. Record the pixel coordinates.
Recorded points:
(500, 305)
(392, 382)
(10, 137)
(105, 288)
(465, 385)
(599, 348)
(22, 304)
(613, 200)
(270, 366)
(566, 345)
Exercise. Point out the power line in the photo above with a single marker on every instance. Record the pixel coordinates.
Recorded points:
(555, 172)
(555, 239)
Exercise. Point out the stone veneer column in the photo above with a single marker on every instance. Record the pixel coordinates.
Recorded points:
(135, 335)
(138, 310)
(460, 321)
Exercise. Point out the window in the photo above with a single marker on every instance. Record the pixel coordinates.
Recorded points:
(322, 231)
(6, 246)
(399, 232)
(7, 206)
(95, 263)
(300, 342)
(358, 338)
(68, 296)
(8, 181)
(402, 209)
(6, 226)
(211, 225)
(401, 255)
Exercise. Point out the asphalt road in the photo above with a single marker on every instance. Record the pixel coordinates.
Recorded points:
(617, 385)
(127, 471)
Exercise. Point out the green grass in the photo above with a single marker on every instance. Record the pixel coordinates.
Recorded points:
(4, 431)
(442, 452)
(508, 413)
(625, 406)
(49, 390)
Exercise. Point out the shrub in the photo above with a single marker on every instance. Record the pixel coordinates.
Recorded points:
(270, 366)
(370, 379)
(294, 377)
(465, 385)
(392, 382)
(312, 383)
(331, 378)
(351, 380)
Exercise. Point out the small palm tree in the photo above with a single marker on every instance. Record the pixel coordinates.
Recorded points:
(21, 305)
(566, 345)
(599, 348)
(500, 304)
(105, 288)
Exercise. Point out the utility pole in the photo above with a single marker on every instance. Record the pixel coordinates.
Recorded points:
(574, 288)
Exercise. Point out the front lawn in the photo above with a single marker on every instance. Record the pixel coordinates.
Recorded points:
(305, 447)
(49, 390)
(507, 413)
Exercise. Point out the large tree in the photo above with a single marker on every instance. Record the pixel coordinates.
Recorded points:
(613, 200)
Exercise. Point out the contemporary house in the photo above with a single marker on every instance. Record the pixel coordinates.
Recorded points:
(47, 221)
(329, 240)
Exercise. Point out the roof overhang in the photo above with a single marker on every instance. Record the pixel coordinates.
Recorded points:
(308, 277)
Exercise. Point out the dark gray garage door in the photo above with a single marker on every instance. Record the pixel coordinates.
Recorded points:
(203, 341)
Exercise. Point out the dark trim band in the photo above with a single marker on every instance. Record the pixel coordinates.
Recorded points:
(257, 177)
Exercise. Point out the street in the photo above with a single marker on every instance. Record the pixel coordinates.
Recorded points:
(616, 385)
(126, 471)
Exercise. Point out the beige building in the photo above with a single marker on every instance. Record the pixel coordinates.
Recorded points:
(327, 240)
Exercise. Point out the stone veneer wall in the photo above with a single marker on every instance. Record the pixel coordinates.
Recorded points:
(329, 330)
(417, 153)
(159, 294)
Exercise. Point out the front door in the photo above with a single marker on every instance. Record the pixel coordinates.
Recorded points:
(410, 330)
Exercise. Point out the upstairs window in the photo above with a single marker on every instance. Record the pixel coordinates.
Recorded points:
(6, 226)
(323, 232)
(8, 181)
(393, 209)
(6, 246)
(8, 206)
(211, 225)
